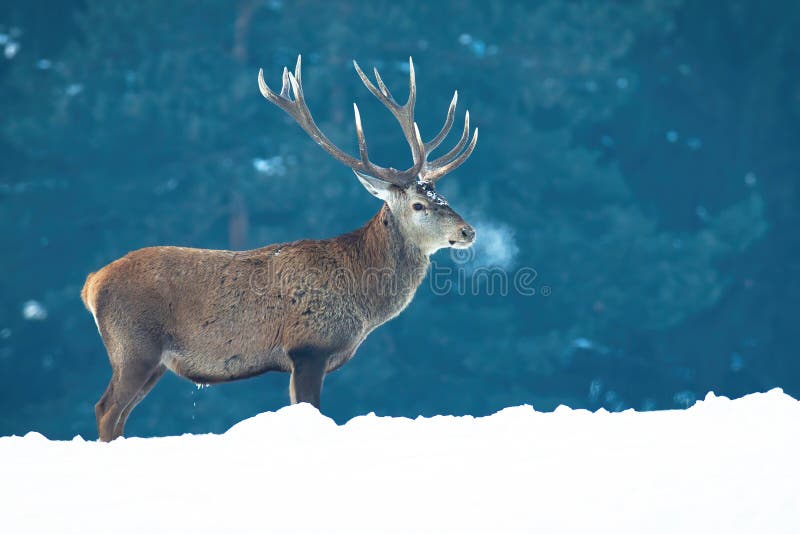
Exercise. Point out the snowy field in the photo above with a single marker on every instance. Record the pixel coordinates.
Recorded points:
(721, 466)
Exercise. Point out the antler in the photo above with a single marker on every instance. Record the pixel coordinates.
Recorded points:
(420, 170)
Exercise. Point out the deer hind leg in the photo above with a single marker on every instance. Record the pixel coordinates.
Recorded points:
(308, 372)
(102, 405)
(136, 369)
(155, 376)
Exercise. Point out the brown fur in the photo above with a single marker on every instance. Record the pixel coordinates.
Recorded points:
(214, 315)
(301, 307)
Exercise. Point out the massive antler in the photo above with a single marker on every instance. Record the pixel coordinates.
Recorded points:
(291, 101)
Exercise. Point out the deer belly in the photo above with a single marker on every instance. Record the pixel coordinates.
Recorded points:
(205, 368)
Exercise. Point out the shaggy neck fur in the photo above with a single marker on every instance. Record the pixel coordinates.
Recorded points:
(387, 264)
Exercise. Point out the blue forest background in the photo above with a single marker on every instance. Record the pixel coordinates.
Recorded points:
(641, 156)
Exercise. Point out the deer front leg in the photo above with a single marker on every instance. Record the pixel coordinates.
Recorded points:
(308, 372)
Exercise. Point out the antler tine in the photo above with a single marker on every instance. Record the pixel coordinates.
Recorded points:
(263, 87)
(381, 85)
(435, 173)
(383, 94)
(404, 114)
(431, 145)
(386, 99)
(285, 83)
(298, 109)
(362, 143)
(443, 160)
(279, 100)
(412, 86)
(418, 139)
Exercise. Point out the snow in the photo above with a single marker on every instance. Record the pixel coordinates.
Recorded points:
(722, 466)
(33, 310)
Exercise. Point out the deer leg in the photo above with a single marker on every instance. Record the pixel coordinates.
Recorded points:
(155, 376)
(308, 372)
(124, 390)
(134, 364)
(102, 405)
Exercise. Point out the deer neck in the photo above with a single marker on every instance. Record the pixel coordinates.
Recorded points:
(388, 266)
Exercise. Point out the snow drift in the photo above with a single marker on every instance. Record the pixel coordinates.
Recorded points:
(721, 466)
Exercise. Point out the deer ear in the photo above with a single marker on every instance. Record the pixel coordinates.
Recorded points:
(375, 186)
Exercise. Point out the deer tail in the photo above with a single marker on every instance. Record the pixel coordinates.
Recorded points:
(85, 292)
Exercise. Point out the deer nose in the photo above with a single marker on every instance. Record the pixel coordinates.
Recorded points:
(467, 233)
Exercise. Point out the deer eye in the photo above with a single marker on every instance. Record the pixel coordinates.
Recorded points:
(418, 207)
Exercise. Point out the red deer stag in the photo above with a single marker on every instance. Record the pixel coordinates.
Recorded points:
(302, 307)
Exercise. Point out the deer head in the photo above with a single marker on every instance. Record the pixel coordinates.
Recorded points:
(422, 214)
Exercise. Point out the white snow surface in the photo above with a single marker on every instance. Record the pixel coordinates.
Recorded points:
(722, 466)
